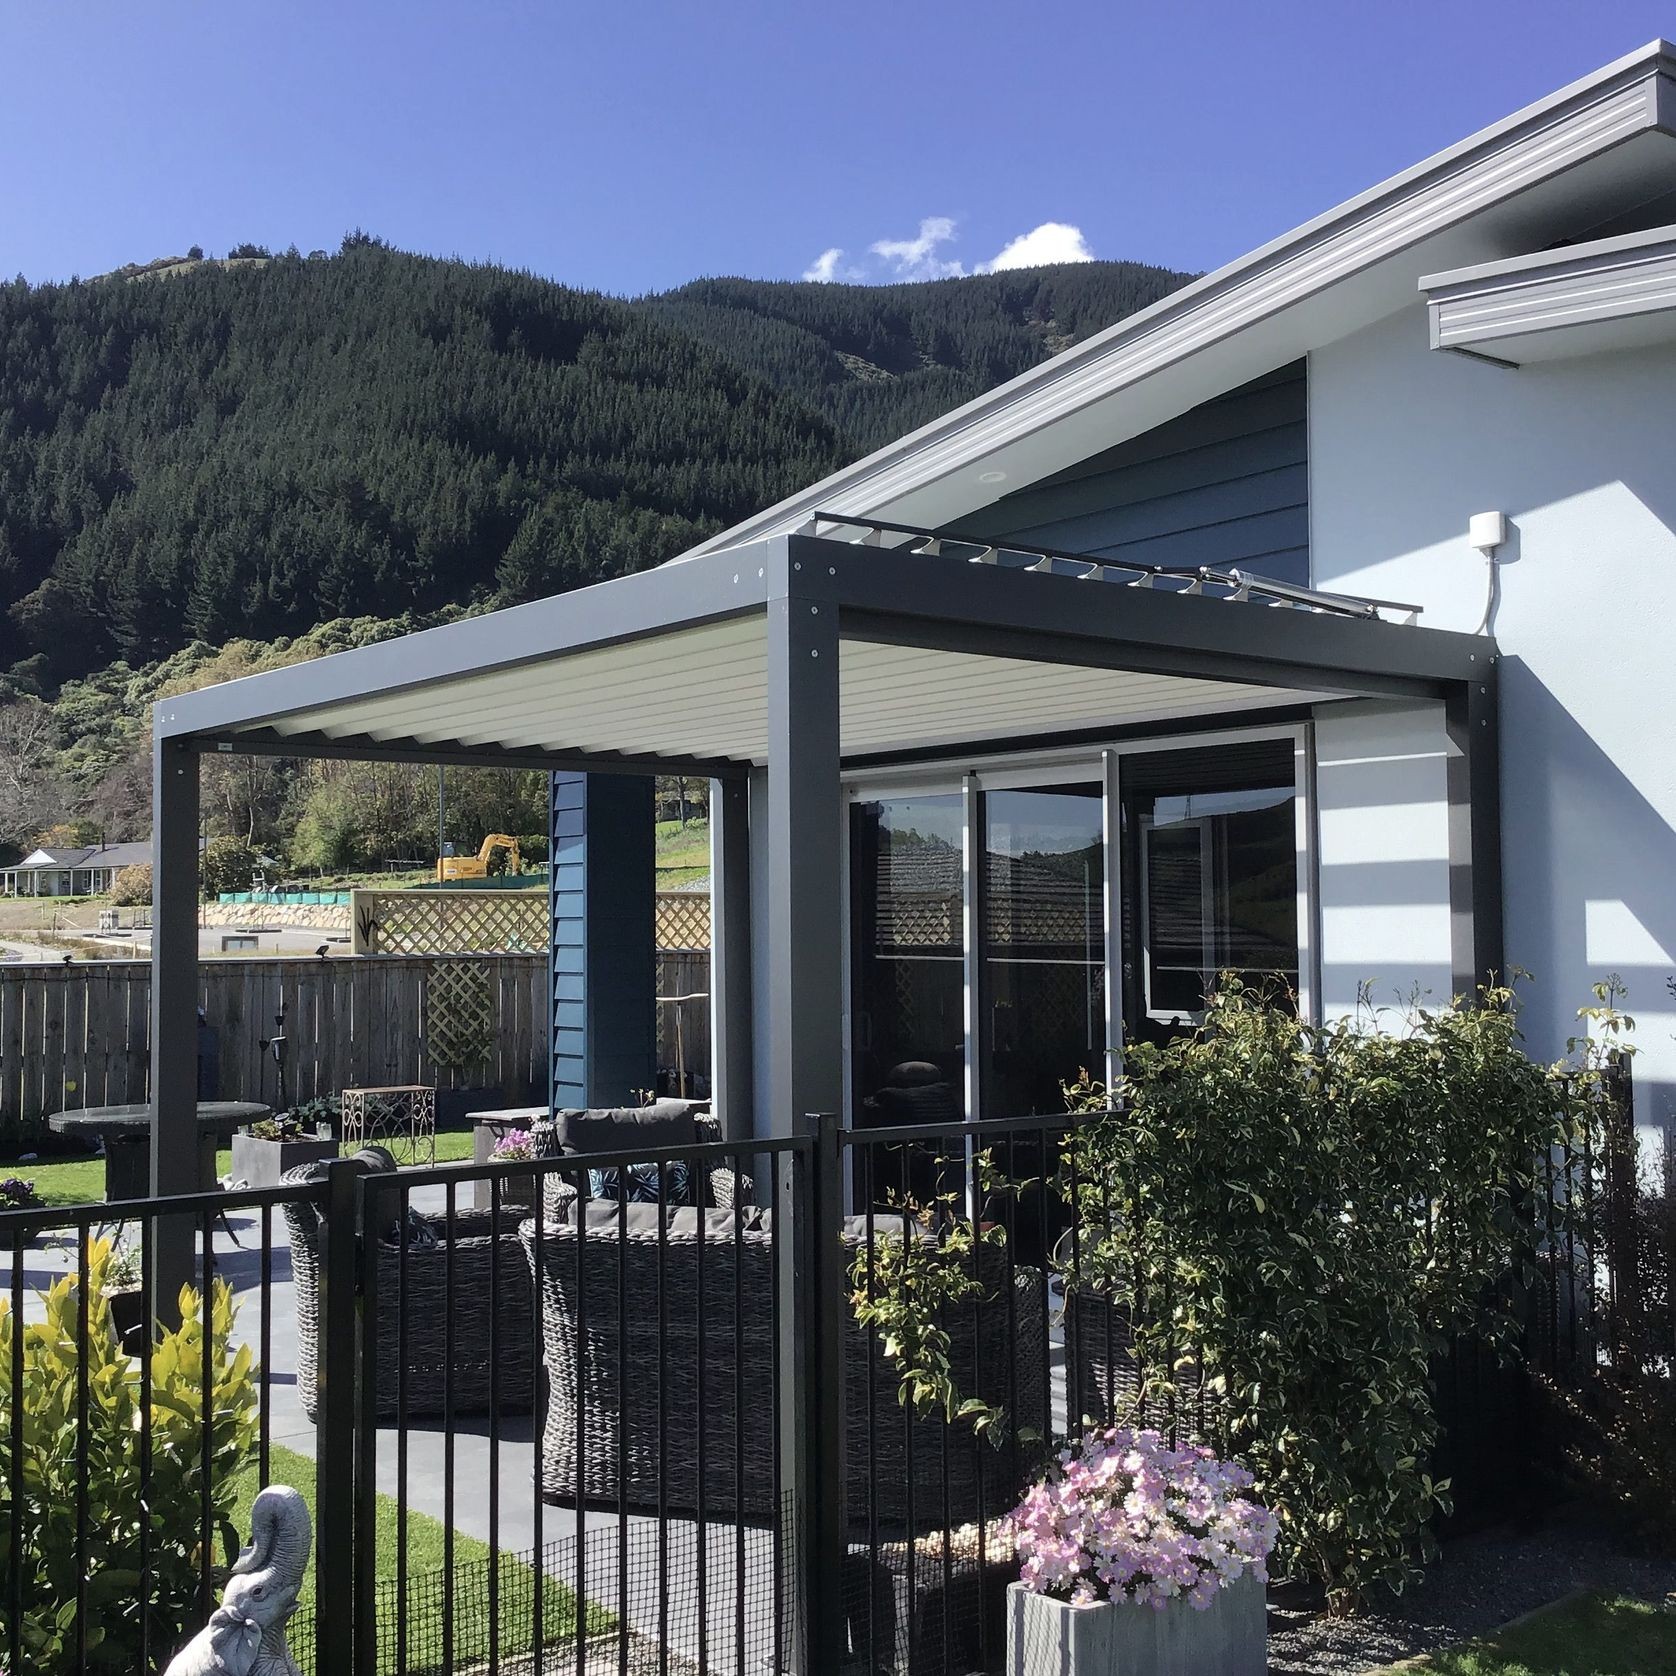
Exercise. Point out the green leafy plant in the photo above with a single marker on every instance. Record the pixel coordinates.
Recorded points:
(41, 1532)
(228, 864)
(302, 1121)
(1615, 1434)
(1296, 1219)
(905, 1287)
(131, 888)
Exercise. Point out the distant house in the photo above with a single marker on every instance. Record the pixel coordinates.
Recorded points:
(85, 871)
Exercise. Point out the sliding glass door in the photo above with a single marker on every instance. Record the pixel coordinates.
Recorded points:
(1044, 945)
(907, 964)
(979, 918)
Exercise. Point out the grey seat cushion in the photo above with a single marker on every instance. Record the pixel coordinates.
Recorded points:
(627, 1128)
(887, 1224)
(602, 1220)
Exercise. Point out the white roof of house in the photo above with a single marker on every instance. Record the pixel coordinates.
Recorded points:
(1556, 169)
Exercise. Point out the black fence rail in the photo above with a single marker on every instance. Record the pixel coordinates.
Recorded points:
(128, 1457)
(708, 1407)
(586, 1363)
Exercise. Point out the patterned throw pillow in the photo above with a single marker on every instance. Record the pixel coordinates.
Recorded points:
(642, 1185)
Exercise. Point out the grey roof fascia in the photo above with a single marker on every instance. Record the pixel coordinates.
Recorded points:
(633, 607)
(1584, 284)
(458, 754)
(1632, 94)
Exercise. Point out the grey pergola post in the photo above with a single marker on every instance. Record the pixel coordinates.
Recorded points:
(730, 955)
(174, 1008)
(804, 980)
(803, 989)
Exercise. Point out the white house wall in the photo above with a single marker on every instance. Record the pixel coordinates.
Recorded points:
(1406, 444)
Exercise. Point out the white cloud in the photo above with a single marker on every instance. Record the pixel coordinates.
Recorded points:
(917, 258)
(825, 267)
(922, 257)
(1053, 241)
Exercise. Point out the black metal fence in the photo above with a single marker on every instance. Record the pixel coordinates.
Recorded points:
(632, 1410)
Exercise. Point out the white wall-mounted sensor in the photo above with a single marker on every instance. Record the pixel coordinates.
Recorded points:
(1487, 531)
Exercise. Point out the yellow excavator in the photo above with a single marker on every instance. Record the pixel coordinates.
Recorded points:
(485, 862)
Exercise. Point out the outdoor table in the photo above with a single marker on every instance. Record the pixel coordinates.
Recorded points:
(126, 1132)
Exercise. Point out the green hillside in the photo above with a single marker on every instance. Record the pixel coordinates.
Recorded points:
(879, 360)
(208, 467)
(195, 449)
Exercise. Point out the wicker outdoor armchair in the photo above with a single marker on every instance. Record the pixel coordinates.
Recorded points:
(414, 1280)
(665, 1123)
(663, 1386)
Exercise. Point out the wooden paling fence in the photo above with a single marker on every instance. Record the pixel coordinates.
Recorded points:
(75, 1036)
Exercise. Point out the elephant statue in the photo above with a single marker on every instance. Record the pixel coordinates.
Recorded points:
(245, 1635)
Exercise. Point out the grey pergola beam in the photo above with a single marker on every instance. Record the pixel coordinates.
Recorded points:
(460, 754)
(947, 602)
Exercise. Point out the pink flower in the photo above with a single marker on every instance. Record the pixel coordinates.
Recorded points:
(1122, 1516)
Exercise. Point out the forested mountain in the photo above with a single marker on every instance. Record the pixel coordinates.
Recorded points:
(192, 450)
(879, 360)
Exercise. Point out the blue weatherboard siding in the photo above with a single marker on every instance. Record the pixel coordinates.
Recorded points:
(1223, 484)
(604, 973)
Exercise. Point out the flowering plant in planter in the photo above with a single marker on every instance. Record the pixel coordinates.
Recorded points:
(18, 1194)
(516, 1146)
(1122, 1516)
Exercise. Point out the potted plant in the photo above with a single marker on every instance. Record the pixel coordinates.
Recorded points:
(124, 1294)
(1139, 1560)
(516, 1146)
(264, 1151)
(18, 1194)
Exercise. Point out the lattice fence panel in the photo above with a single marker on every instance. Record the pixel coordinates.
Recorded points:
(683, 919)
(460, 1016)
(448, 921)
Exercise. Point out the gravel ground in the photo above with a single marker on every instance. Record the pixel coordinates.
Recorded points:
(1478, 1583)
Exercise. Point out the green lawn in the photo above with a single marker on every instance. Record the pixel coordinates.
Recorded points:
(427, 1580)
(1600, 1635)
(80, 1181)
(683, 853)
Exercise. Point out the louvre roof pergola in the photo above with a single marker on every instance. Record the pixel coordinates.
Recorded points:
(783, 664)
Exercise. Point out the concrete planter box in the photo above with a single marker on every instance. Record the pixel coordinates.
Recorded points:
(1047, 1637)
(260, 1163)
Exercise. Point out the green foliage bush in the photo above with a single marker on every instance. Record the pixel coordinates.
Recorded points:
(228, 864)
(43, 1530)
(131, 888)
(1303, 1216)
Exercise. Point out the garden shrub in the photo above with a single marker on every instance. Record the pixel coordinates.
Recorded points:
(228, 864)
(1302, 1217)
(44, 1529)
(131, 888)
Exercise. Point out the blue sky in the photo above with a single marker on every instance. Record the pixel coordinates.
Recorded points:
(632, 146)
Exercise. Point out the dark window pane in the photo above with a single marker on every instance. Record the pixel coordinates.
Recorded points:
(1215, 850)
(906, 894)
(1044, 944)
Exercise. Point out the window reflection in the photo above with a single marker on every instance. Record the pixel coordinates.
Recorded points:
(1213, 836)
(1044, 944)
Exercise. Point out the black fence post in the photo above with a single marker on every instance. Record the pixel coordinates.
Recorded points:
(819, 1413)
(335, 1451)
